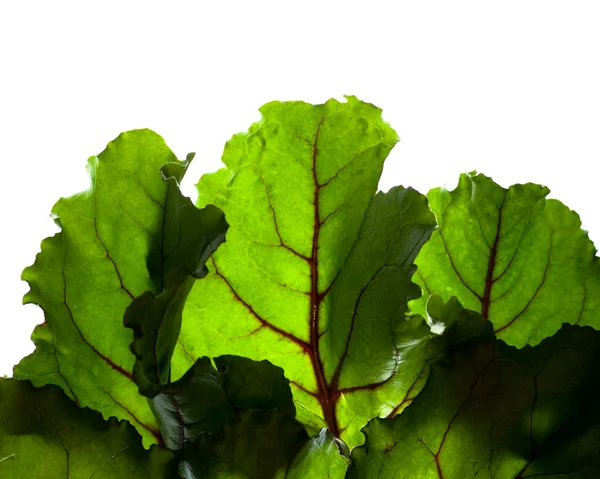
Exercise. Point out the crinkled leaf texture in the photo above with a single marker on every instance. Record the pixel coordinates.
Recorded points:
(118, 240)
(43, 435)
(235, 418)
(315, 273)
(490, 410)
(299, 324)
(519, 259)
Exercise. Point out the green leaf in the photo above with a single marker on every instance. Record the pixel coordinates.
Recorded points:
(256, 445)
(519, 259)
(490, 410)
(116, 241)
(156, 321)
(255, 384)
(233, 421)
(193, 405)
(205, 398)
(43, 435)
(322, 456)
(315, 273)
(219, 419)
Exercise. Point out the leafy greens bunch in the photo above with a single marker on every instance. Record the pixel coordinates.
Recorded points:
(296, 323)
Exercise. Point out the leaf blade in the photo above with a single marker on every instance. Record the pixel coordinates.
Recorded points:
(45, 436)
(493, 411)
(110, 250)
(512, 255)
(297, 193)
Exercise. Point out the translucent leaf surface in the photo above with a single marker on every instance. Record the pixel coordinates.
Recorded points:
(519, 259)
(315, 273)
(322, 456)
(117, 240)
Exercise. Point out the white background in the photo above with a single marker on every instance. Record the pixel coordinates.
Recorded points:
(511, 89)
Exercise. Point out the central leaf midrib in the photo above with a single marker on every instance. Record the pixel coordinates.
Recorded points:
(489, 279)
(325, 396)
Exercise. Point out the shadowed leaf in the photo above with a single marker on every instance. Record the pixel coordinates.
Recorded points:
(205, 398)
(156, 321)
(491, 411)
(256, 444)
(43, 435)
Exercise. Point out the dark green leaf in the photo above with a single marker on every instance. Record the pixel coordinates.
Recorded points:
(236, 420)
(43, 435)
(195, 404)
(205, 398)
(519, 259)
(156, 321)
(257, 444)
(255, 385)
(490, 410)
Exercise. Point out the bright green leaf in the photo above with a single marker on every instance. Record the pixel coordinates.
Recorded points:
(315, 273)
(300, 325)
(116, 242)
(322, 456)
(519, 259)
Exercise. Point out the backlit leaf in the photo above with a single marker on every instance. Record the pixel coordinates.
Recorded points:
(117, 241)
(519, 259)
(315, 273)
